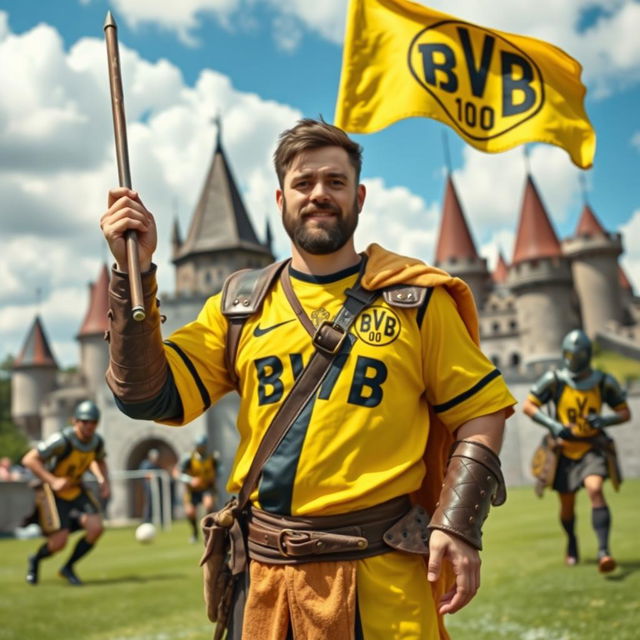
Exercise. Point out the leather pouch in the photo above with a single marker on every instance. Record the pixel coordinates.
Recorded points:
(218, 580)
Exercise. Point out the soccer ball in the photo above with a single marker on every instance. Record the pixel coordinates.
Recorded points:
(145, 533)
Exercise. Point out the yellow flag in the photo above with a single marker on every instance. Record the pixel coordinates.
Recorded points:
(496, 89)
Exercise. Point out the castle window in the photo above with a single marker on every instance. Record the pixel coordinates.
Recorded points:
(495, 360)
(495, 327)
(513, 325)
(515, 359)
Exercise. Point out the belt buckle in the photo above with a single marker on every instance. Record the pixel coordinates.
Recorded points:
(280, 541)
(317, 337)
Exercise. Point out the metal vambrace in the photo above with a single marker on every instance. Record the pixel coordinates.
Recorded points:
(473, 481)
(137, 363)
(547, 421)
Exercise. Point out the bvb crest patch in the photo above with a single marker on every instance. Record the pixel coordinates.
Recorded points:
(378, 326)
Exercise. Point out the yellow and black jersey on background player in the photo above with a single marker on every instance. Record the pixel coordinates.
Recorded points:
(204, 468)
(575, 401)
(65, 455)
(360, 440)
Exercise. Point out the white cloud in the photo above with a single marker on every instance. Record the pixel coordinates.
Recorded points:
(631, 258)
(182, 17)
(399, 220)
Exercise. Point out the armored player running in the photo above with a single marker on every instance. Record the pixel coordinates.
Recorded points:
(586, 453)
(63, 504)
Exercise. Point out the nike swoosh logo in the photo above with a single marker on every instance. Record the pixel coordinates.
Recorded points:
(257, 332)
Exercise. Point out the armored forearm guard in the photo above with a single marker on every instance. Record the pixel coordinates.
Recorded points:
(547, 421)
(138, 366)
(472, 483)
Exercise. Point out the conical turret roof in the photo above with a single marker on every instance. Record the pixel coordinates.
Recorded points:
(588, 224)
(454, 237)
(176, 236)
(220, 220)
(501, 271)
(625, 283)
(535, 237)
(36, 351)
(95, 321)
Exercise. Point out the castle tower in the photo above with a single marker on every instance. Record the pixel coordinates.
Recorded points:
(221, 238)
(594, 262)
(455, 250)
(33, 377)
(268, 236)
(501, 271)
(94, 351)
(540, 278)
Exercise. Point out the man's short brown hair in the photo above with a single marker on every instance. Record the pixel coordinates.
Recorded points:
(310, 134)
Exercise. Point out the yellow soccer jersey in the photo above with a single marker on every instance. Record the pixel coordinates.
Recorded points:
(66, 456)
(361, 439)
(201, 467)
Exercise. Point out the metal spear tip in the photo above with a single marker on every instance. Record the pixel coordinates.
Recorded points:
(109, 21)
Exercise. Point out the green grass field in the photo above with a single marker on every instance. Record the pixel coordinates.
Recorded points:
(153, 592)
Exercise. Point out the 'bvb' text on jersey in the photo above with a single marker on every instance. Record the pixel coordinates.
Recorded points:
(65, 455)
(202, 467)
(574, 405)
(361, 438)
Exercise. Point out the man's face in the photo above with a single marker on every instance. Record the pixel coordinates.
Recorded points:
(85, 429)
(320, 200)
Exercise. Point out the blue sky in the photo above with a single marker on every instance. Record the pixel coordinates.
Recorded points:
(262, 64)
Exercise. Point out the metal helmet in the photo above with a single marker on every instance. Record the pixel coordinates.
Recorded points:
(576, 351)
(87, 410)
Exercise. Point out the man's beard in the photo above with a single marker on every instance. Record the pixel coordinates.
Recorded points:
(326, 236)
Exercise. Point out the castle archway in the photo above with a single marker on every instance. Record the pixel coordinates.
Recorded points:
(167, 460)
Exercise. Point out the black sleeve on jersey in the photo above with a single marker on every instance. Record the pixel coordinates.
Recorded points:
(465, 395)
(423, 307)
(165, 406)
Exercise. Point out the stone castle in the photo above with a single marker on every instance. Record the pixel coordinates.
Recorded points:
(526, 307)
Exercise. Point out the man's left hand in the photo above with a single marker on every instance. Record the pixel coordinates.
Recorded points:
(465, 561)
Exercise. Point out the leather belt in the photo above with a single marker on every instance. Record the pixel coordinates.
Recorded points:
(277, 539)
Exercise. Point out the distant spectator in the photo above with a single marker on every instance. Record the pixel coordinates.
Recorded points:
(8, 473)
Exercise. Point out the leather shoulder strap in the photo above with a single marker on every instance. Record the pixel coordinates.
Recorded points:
(242, 295)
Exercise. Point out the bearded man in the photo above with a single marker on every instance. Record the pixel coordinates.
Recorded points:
(332, 553)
